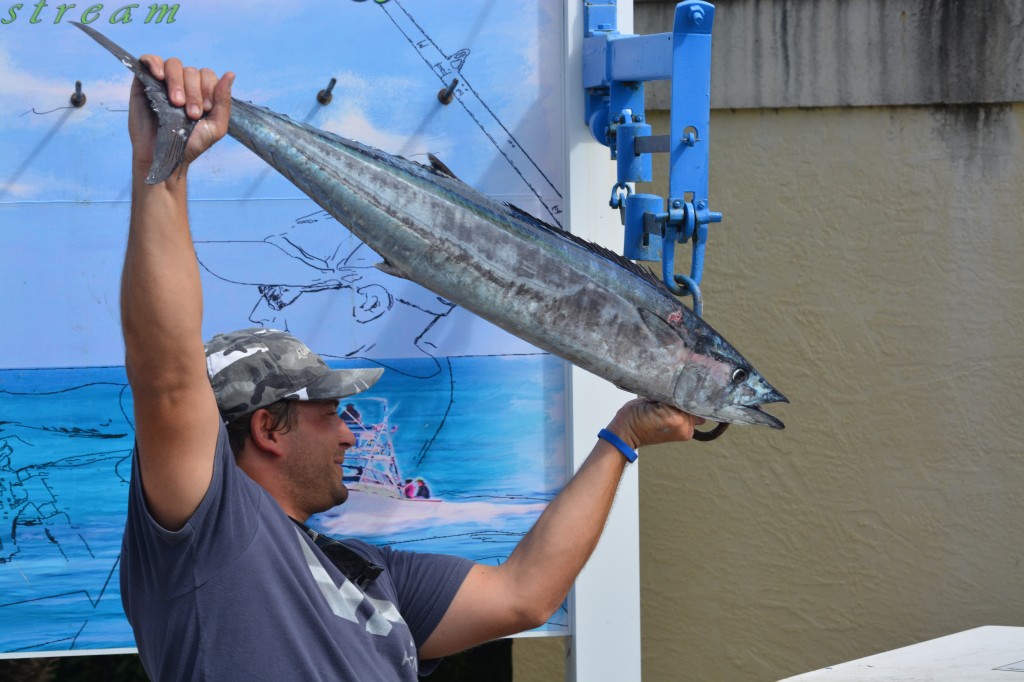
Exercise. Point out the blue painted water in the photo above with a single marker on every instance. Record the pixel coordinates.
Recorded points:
(486, 433)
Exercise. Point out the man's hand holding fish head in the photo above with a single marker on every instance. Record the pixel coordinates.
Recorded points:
(643, 422)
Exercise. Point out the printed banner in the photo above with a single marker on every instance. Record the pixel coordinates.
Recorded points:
(460, 445)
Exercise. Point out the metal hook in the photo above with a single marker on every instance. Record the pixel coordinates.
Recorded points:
(325, 96)
(705, 436)
(688, 285)
(620, 191)
(446, 94)
(681, 285)
(78, 98)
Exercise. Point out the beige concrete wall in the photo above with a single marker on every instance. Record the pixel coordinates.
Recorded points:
(804, 53)
(539, 659)
(870, 266)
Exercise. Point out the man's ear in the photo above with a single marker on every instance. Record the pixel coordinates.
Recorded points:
(263, 436)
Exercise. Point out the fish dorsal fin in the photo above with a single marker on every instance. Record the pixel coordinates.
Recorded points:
(665, 333)
(439, 166)
(640, 271)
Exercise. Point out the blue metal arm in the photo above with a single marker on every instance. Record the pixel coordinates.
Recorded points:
(615, 68)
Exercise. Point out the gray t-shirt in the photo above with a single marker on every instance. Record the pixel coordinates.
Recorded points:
(241, 593)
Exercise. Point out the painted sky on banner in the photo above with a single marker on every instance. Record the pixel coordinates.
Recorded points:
(388, 61)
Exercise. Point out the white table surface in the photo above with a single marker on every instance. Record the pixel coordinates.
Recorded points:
(992, 653)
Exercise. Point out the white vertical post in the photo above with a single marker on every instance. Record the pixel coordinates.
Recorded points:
(605, 602)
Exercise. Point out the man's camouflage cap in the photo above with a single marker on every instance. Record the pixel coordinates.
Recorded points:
(253, 368)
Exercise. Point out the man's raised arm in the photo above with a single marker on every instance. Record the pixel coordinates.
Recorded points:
(176, 418)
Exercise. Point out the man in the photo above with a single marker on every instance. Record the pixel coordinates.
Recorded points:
(423, 490)
(219, 579)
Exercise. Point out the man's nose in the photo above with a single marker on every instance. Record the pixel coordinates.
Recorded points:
(345, 435)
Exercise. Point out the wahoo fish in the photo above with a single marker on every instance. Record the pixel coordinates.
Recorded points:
(577, 300)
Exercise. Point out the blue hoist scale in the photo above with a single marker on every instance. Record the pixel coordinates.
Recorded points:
(615, 68)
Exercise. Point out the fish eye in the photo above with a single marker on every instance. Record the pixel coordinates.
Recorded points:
(739, 376)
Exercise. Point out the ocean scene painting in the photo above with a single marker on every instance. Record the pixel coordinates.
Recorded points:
(66, 437)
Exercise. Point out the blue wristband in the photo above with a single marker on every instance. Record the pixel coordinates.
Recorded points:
(620, 445)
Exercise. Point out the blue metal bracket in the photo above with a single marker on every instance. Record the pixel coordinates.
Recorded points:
(615, 68)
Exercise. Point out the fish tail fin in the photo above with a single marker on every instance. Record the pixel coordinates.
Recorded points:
(170, 150)
(173, 125)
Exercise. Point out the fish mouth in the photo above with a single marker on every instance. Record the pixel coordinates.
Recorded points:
(753, 414)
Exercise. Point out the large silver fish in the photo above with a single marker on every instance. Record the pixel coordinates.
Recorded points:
(565, 295)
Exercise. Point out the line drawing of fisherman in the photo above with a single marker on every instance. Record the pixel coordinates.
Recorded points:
(316, 267)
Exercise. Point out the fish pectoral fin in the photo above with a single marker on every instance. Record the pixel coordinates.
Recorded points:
(389, 269)
(665, 333)
(439, 166)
